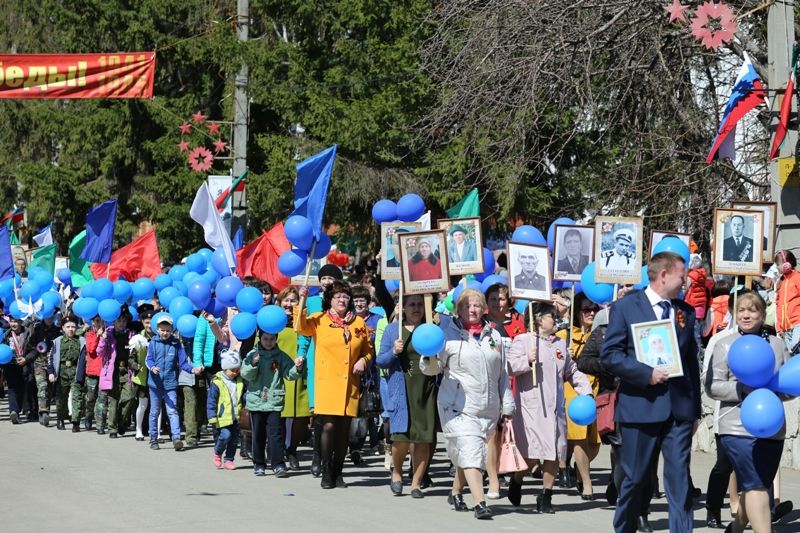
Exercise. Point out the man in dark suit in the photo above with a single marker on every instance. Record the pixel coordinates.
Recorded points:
(653, 411)
(737, 247)
(573, 262)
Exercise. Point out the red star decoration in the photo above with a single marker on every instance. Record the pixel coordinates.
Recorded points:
(703, 29)
(186, 128)
(198, 118)
(220, 146)
(213, 128)
(201, 159)
(676, 11)
(183, 146)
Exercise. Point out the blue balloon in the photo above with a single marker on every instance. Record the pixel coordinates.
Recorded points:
(156, 318)
(199, 292)
(674, 245)
(143, 289)
(787, 380)
(15, 311)
(520, 305)
(162, 282)
(190, 277)
(551, 231)
(391, 285)
(196, 263)
(122, 291)
(103, 289)
(249, 300)
(751, 360)
(133, 312)
(179, 306)
(243, 325)
(410, 207)
(575, 285)
(211, 276)
(323, 246)
(51, 298)
(384, 211)
(292, 262)
(227, 289)
(181, 286)
(313, 290)
(271, 319)
(220, 263)
(528, 235)
(109, 310)
(471, 283)
(206, 254)
(177, 272)
(645, 280)
(599, 293)
(299, 232)
(582, 410)
(47, 310)
(428, 340)
(166, 295)
(491, 280)
(215, 308)
(762, 413)
(30, 290)
(85, 307)
(187, 325)
(489, 263)
(64, 275)
(5, 354)
(43, 278)
(6, 288)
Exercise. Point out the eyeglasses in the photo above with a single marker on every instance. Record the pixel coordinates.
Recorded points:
(343, 297)
(590, 310)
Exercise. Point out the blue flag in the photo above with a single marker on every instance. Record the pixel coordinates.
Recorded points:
(238, 238)
(100, 232)
(6, 259)
(311, 189)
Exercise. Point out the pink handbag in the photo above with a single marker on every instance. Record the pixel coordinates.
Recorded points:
(510, 460)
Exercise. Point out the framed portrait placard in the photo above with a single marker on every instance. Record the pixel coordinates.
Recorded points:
(657, 235)
(313, 275)
(529, 271)
(390, 246)
(423, 262)
(464, 245)
(738, 242)
(656, 345)
(770, 210)
(618, 250)
(574, 249)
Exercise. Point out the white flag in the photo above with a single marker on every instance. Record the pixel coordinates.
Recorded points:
(44, 237)
(204, 212)
(425, 221)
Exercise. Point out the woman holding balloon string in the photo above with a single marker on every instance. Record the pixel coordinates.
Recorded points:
(473, 395)
(755, 458)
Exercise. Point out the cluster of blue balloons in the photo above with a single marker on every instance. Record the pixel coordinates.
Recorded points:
(407, 209)
(300, 234)
(37, 296)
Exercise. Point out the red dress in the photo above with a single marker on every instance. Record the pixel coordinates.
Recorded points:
(423, 270)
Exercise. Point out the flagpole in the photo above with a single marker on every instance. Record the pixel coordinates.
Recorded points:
(535, 335)
(571, 315)
(309, 261)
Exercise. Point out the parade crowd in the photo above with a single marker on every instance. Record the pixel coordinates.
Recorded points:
(344, 379)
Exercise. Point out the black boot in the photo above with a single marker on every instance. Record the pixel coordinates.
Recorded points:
(328, 481)
(713, 519)
(76, 427)
(544, 502)
(514, 491)
(316, 465)
(60, 424)
(338, 479)
(563, 478)
(643, 525)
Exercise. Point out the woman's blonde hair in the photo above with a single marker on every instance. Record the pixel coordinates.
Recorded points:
(464, 297)
(754, 299)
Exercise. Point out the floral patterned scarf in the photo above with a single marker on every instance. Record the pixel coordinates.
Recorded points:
(344, 323)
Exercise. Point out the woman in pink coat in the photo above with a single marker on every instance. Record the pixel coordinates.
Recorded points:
(540, 423)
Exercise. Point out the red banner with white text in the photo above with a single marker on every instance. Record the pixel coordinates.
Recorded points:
(120, 75)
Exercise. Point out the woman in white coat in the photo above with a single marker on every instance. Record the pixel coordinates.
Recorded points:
(540, 424)
(473, 396)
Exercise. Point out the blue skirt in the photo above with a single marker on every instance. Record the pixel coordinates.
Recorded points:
(755, 461)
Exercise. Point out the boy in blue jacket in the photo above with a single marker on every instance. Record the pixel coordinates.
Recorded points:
(225, 397)
(165, 359)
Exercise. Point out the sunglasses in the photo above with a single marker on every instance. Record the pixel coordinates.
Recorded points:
(590, 309)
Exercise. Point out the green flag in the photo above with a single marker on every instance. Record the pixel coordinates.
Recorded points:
(79, 268)
(44, 257)
(469, 206)
(14, 239)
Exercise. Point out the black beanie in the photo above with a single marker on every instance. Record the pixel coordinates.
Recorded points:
(330, 270)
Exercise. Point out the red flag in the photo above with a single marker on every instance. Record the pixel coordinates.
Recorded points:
(783, 122)
(138, 259)
(259, 258)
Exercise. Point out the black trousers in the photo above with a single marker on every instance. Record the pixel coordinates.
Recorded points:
(266, 429)
(718, 480)
(16, 387)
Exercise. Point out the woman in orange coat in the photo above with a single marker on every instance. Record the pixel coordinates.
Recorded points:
(342, 353)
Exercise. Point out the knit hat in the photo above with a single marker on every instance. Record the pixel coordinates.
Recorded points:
(330, 270)
(456, 228)
(229, 359)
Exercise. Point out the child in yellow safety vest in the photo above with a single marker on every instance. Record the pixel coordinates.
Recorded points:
(225, 398)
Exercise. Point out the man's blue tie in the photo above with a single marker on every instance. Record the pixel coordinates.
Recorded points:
(665, 308)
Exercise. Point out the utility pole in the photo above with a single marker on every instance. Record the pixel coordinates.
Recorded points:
(785, 190)
(241, 120)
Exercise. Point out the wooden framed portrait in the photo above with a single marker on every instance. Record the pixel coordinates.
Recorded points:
(657, 235)
(573, 250)
(770, 210)
(313, 275)
(390, 246)
(464, 245)
(656, 345)
(529, 271)
(424, 262)
(738, 242)
(618, 250)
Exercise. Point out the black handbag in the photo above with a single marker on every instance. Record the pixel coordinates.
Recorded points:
(369, 404)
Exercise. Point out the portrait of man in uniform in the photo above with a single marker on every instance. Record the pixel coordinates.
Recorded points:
(572, 251)
(529, 275)
(618, 247)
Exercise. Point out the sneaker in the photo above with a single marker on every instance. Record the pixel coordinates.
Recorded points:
(259, 470)
(154, 445)
(217, 460)
(45, 419)
(112, 435)
(294, 463)
(189, 444)
(356, 458)
(76, 428)
(230, 465)
(177, 444)
(280, 471)
(14, 417)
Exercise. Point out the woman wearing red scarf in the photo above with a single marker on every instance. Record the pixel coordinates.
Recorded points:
(342, 353)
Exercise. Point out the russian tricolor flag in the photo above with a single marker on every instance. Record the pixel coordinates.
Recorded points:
(748, 92)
